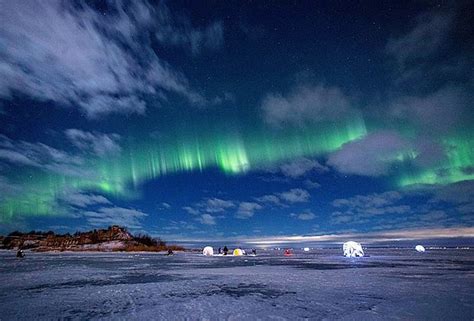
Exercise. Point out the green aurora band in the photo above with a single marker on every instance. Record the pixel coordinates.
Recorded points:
(228, 150)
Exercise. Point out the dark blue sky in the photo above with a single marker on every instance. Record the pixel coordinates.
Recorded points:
(217, 120)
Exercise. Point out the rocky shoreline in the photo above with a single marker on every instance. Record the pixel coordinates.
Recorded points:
(112, 239)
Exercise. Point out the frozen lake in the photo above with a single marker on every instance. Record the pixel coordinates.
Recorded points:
(320, 285)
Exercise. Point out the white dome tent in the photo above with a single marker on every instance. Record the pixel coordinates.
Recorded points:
(352, 249)
(208, 251)
(420, 248)
(306, 249)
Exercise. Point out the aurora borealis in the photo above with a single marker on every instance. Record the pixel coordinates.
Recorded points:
(191, 122)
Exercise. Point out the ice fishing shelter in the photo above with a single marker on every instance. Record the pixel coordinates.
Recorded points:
(238, 252)
(352, 249)
(208, 251)
(420, 248)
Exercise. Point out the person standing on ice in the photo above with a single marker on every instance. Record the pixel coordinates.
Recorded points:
(219, 251)
(226, 250)
(254, 251)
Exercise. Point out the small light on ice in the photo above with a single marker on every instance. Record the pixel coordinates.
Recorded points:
(420, 248)
(352, 249)
(306, 249)
(208, 251)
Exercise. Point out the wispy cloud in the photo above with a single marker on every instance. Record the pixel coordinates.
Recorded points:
(302, 166)
(76, 56)
(306, 103)
(247, 209)
(295, 195)
(304, 216)
(105, 216)
(83, 200)
(97, 143)
(207, 219)
(41, 156)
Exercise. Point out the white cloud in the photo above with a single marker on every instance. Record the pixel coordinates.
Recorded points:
(76, 56)
(270, 199)
(305, 216)
(437, 111)
(207, 219)
(310, 184)
(107, 216)
(247, 209)
(41, 156)
(295, 195)
(300, 167)
(372, 155)
(97, 143)
(306, 104)
(83, 200)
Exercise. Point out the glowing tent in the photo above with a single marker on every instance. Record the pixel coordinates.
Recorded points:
(420, 248)
(238, 252)
(208, 251)
(306, 249)
(352, 249)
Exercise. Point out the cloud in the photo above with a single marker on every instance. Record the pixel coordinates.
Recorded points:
(360, 207)
(305, 216)
(210, 205)
(179, 32)
(41, 156)
(207, 219)
(270, 199)
(97, 143)
(76, 56)
(166, 205)
(247, 209)
(216, 205)
(370, 237)
(107, 216)
(191, 210)
(305, 104)
(310, 184)
(425, 39)
(301, 167)
(84, 200)
(437, 111)
(372, 155)
(295, 195)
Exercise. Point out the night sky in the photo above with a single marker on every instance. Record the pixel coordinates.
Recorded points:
(230, 120)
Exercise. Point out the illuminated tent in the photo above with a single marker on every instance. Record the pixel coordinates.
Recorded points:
(208, 251)
(352, 249)
(238, 252)
(420, 248)
(306, 249)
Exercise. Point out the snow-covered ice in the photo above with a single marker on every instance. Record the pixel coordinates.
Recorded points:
(319, 285)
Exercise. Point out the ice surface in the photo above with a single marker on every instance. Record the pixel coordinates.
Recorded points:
(352, 249)
(320, 285)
